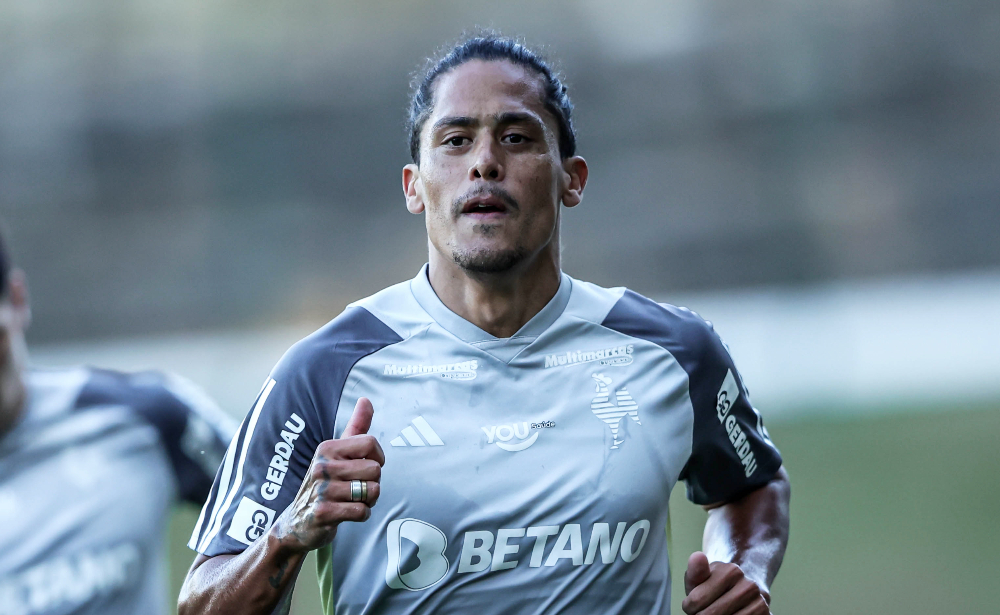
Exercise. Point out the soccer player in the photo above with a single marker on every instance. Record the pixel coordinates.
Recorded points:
(90, 463)
(531, 426)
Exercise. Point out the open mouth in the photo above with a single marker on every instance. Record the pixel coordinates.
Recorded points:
(485, 206)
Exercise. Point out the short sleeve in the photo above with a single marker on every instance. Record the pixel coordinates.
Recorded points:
(293, 413)
(191, 427)
(731, 452)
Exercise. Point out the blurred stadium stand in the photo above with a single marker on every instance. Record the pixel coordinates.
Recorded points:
(201, 164)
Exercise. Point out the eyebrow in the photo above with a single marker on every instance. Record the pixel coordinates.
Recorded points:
(507, 117)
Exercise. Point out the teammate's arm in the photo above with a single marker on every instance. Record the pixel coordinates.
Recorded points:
(744, 544)
(259, 580)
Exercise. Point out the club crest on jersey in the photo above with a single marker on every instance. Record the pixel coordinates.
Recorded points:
(613, 413)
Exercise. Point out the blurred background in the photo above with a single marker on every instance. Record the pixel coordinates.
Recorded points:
(195, 185)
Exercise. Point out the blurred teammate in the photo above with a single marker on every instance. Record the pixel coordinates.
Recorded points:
(531, 425)
(90, 463)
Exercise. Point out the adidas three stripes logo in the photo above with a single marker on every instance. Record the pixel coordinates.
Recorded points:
(410, 436)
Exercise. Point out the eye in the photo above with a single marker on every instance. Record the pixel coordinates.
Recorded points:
(514, 139)
(456, 141)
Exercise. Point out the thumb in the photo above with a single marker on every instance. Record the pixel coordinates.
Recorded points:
(697, 571)
(361, 419)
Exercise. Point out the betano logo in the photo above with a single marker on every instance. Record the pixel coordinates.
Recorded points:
(464, 370)
(501, 435)
(504, 549)
(429, 543)
(612, 357)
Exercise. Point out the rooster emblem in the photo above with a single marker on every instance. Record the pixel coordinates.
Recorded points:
(610, 413)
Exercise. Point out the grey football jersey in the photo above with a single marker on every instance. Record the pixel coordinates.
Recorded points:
(87, 478)
(523, 475)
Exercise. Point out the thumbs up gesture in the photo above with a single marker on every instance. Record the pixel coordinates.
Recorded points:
(721, 588)
(327, 496)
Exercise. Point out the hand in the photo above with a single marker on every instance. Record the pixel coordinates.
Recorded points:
(324, 499)
(720, 588)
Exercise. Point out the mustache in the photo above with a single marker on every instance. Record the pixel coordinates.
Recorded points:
(495, 191)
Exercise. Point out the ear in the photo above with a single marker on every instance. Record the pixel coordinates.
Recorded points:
(575, 173)
(17, 288)
(413, 189)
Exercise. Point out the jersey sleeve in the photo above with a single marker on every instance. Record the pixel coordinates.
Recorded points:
(731, 451)
(191, 427)
(293, 413)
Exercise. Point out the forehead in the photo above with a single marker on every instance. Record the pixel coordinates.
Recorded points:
(480, 88)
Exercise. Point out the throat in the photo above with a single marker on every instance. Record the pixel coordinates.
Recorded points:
(498, 303)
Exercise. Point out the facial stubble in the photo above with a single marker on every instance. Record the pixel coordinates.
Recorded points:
(488, 261)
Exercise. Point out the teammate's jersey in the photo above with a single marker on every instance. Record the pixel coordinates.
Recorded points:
(529, 474)
(87, 478)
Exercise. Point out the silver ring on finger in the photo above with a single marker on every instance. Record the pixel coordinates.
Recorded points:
(357, 491)
(364, 491)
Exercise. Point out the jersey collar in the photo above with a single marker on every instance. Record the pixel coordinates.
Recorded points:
(504, 349)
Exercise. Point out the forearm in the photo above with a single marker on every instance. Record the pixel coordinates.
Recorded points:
(752, 532)
(258, 581)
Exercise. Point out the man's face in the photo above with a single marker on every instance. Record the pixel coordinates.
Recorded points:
(14, 319)
(490, 177)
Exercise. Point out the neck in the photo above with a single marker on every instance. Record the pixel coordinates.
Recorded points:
(498, 303)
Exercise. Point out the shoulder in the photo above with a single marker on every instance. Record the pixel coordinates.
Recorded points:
(669, 326)
(169, 402)
(141, 391)
(337, 345)
(676, 329)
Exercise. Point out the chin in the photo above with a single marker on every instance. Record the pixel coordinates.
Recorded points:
(489, 261)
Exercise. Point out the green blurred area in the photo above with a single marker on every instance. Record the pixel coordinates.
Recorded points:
(892, 513)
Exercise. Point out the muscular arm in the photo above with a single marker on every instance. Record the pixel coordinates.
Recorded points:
(744, 544)
(259, 580)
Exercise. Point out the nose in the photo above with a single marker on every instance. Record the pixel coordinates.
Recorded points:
(488, 164)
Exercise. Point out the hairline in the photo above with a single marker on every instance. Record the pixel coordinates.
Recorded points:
(421, 119)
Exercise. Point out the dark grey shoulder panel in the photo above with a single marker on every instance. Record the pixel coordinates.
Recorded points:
(148, 395)
(300, 410)
(316, 368)
(730, 450)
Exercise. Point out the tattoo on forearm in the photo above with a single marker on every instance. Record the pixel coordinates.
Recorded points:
(275, 581)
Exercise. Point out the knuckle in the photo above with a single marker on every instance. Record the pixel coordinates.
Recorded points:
(358, 512)
(325, 513)
(748, 595)
(732, 573)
